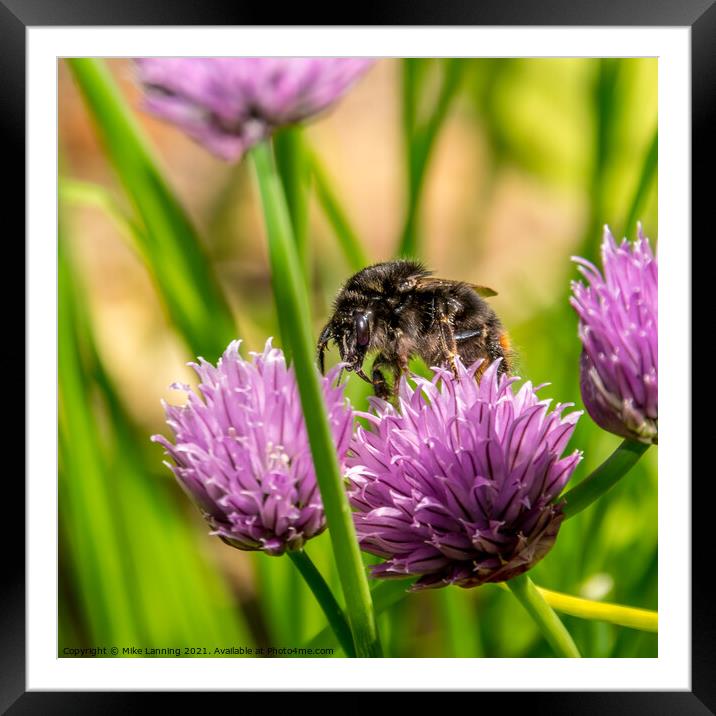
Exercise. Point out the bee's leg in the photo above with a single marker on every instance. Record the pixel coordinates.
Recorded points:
(380, 385)
(359, 372)
(447, 336)
(400, 367)
(321, 348)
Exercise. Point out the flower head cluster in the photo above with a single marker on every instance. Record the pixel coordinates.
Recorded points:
(457, 485)
(228, 104)
(241, 450)
(618, 328)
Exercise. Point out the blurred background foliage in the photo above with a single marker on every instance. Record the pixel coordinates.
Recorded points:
(494, 171)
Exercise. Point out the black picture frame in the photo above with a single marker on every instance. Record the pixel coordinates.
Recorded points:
(699, 15)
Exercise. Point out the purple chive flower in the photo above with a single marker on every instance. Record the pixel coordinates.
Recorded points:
(228, 104)
(618, 329)
(242, 452)
(457, 485)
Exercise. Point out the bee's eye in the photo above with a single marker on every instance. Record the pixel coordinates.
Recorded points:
(362, 329)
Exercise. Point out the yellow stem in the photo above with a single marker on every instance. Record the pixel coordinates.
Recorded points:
(642, 619)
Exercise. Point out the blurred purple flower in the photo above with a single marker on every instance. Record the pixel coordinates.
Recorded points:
(457, 485)
(242, 451)
(618, 328)
(228, 104)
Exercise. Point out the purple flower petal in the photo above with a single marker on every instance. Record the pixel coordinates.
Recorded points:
(229, 104)
(618, 327)
(241, 450)
(456, 487)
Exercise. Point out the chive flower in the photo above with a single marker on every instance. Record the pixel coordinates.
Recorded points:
(618, 327)
(229, 104)
(457, 485)
(241, 450)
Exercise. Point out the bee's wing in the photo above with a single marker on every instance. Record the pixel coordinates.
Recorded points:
(430, 282)
(483, 291)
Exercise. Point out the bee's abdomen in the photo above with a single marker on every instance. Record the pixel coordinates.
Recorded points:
(506, 352)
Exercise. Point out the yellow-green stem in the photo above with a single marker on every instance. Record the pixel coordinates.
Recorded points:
(641, 619)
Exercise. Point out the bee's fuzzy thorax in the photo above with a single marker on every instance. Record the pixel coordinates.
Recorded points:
(399, 310)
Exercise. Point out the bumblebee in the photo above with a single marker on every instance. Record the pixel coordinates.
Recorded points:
(399, 309)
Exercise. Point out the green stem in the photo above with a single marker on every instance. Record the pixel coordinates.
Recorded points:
(384, 595)
(420, 141)
(294, 171)
(389, 593)
(630, 617)
(347, 238)
(545, 618)
(409, 238)
(84, 488)
(292, 304)
(82, 193)
(603, 478)
(604, 99)
(410, 68)
(175, 256)
(646, 178)
(324, 596)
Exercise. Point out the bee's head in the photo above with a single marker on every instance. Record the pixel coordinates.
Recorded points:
(363, 307)
(354, 340)
(351, 328)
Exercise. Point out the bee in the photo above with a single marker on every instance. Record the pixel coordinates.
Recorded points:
(400, 310)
